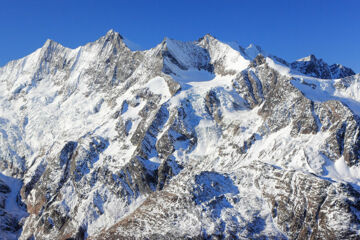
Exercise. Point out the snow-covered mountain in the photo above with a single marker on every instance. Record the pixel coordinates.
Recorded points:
(187, 140)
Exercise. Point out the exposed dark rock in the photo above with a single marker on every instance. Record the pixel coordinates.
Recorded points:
(318, 68)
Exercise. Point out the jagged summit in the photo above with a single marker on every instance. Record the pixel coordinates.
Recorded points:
(315, 67)
(206, 37)
(186, 140)
(111, 34)
(50, 46)
(253, 50)
(50, 42)
(310, 58)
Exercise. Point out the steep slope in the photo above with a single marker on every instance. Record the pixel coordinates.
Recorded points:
(185, 140)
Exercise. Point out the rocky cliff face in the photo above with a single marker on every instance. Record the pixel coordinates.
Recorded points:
(187, 140)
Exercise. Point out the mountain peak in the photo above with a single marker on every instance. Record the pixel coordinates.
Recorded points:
(253, 50)
(111, 34)
(111, 31)
(49, 42)
(317, 67)
(51, 45)
(252, 45)
(310, 58)
(112, 42)
(207, 37)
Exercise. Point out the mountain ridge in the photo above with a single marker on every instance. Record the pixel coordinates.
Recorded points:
(253, 47)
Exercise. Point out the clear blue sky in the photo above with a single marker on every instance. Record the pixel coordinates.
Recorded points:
(289, 29)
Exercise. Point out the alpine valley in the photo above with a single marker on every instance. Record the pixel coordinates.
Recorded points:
(187, 140)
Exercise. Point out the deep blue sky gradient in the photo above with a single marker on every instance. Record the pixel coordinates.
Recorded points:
(289, 29)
